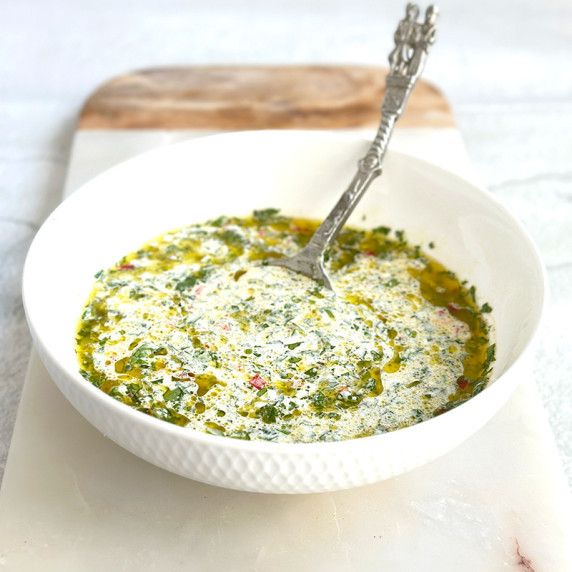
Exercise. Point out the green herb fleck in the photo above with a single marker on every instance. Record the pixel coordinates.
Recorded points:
(265, 215)
(268, 413)
(173, 394)
(187, 283)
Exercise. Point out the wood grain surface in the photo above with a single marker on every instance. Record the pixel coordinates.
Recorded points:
(255, 97)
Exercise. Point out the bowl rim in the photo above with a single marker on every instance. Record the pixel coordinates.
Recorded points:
(240, 445)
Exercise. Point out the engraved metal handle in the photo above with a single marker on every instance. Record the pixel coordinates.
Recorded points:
(412, 42)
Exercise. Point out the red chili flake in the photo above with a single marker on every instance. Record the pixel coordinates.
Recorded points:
(199, 290)
(223, 326)
(370, 253)
(462, 383)
(257, 382)
(126, 267)
(186, 375)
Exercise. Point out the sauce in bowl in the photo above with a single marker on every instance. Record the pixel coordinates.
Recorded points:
(195, 329)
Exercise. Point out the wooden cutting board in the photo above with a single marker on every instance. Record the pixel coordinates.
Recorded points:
(229, 98)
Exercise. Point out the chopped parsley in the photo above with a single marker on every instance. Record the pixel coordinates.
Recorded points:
(195, 328)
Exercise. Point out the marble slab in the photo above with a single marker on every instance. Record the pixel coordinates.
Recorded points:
(73, 500)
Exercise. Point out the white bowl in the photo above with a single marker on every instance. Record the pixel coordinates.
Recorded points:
(302, 173)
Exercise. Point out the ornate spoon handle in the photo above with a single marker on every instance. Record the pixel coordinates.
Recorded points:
(412, 42)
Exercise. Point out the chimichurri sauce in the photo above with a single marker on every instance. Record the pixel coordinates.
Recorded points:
(196, 329)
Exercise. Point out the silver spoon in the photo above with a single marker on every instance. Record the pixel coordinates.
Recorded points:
(412, 42)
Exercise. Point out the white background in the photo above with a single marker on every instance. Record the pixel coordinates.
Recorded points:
(506, 67)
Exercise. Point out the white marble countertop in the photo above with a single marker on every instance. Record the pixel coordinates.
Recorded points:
(504, 66)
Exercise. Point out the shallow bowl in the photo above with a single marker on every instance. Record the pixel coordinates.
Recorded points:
(302, 173)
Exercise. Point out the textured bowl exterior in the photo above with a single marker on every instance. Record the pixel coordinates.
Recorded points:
(262, 466)
(269, 467)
